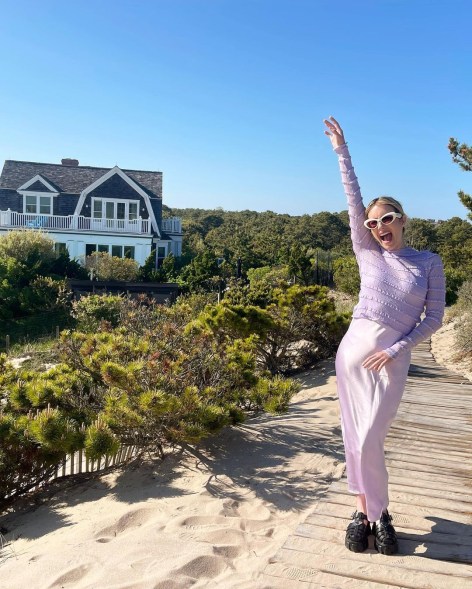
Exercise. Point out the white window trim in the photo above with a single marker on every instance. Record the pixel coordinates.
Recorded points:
(26, 193)
(37, 178)
(116, 201)
(110, 248)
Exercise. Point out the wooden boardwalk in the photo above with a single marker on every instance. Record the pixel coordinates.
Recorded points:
(429, 458)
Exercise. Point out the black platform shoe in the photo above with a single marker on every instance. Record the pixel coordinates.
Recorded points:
(385, 540)
(357, 533)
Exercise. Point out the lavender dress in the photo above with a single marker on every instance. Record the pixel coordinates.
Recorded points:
(397, 287)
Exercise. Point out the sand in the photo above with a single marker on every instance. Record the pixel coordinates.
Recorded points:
(444, 351)
(207, 517)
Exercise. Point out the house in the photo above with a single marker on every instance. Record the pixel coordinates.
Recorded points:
(86, 209)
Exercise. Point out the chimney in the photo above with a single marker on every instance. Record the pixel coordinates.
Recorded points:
(67, 161)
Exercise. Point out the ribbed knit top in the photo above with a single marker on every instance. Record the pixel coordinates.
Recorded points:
(396, 286)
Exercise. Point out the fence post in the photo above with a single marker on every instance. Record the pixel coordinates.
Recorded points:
(57, 331)
(7, 343)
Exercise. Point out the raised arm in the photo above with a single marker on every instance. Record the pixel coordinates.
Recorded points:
(360, 236)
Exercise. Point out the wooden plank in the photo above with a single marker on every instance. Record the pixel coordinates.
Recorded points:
(311, 578)
(411, 556)
(376, 569)
(430, 470)
(403, 506)
(404, 515)
(406, 469)
(401, 485)
(429, 535)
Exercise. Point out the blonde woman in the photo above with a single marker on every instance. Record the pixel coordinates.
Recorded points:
(398, 285)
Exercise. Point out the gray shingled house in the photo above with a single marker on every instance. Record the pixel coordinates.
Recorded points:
(87, 209)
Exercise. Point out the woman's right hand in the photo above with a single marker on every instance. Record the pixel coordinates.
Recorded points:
(334, 132)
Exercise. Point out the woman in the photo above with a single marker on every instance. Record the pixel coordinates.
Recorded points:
(398, 284)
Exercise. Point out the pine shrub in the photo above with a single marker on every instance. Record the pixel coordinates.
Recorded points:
(464, 326)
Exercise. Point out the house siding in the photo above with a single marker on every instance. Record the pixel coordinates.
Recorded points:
(10, 199)
(156, 204)
(38, 187)
(114, 187)
(65, 204)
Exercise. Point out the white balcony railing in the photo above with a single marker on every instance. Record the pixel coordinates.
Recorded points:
(73, 223)
(172, 225)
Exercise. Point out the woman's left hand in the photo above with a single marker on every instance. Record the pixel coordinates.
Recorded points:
(376, 361)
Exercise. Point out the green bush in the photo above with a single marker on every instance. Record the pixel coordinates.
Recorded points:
(106, 267)
(90, 311)
(454, 280)
(464, 325)
(299, 328)
(148, 382)
(346, 275)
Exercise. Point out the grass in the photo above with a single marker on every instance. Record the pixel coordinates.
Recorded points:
(35, 355)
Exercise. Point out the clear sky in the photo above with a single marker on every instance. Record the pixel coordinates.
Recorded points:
(227, 97)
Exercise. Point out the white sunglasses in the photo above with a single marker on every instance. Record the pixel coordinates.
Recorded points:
(386, 219)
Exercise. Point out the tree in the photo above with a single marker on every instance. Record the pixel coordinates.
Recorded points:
(300, 266)
(421, 234)
(202, 273)
(462, 155)
(298, 328)
(148, 269)
(106, 267)
(31, 274)
(346, 275)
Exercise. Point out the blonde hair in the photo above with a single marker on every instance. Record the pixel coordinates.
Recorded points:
(385, 200)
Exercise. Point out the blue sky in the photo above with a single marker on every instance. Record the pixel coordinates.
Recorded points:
(227, 97)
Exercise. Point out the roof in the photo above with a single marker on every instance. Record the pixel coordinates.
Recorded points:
(72, 179)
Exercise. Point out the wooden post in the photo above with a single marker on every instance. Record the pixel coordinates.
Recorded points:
(7, 343)
(57, 331)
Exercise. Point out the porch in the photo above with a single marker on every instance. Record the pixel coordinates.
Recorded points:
(13, 219)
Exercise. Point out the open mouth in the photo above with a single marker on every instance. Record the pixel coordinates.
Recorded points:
(386, 237)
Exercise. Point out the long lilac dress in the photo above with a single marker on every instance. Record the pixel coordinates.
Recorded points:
(397, 287)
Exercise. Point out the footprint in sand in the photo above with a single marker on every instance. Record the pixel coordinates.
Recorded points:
(130, 520)
(203, 567)
(225, 536)
(228, 551)
(203, 521)
(70, 578)
(185, 583)
(230, 508)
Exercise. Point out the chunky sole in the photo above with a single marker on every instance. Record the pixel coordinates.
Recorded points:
(356, 546)
(387, 549)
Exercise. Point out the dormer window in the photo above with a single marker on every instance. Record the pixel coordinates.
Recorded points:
(37, 196)
(38, 204)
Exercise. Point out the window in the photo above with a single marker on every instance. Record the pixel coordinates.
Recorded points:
(129, 251)
(119, 251)
(161, 254)
(97, 209)
(90, 248)
(60, 248)
(38, 204)
(133, 211)
(125, 210)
